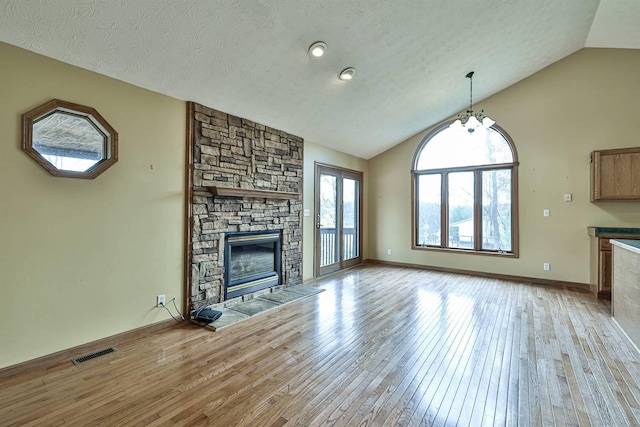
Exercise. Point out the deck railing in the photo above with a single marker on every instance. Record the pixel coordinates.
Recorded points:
(329, 251)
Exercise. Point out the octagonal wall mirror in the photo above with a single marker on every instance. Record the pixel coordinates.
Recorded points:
(69, 139)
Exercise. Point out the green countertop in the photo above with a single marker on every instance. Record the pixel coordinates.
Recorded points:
(596, 231)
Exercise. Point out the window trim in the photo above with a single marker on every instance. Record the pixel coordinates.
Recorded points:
(477, 169)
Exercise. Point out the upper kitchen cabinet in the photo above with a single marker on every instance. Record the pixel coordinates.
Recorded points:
(615, 175)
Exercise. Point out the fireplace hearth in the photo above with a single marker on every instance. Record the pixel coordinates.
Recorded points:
(252, 262)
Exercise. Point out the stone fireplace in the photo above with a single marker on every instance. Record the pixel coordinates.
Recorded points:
(245, 179)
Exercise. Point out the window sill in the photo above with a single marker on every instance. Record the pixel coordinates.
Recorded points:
(464, 251)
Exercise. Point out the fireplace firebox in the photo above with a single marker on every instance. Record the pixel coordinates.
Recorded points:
(252, 261)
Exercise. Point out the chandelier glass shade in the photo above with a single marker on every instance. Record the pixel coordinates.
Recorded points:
(470, 120)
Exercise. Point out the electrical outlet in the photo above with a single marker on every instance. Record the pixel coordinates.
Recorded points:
(546, 266)
(545, 212)
(388, 251)
(161, 300)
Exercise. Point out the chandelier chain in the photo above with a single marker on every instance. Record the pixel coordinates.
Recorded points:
(470, 77)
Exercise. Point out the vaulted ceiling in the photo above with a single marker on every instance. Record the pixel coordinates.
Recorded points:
(250, 58)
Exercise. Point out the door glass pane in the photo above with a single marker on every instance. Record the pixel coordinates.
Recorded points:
(350, 211)
(496, 210)
(327, 219)
(429, 210)
(460, 202)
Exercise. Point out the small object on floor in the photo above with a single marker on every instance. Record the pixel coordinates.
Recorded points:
(205, 314)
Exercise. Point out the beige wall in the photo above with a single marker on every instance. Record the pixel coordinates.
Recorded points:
(315, 153)
(81, 260)
(556, 117)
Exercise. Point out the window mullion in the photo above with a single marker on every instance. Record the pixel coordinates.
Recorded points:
(477, 210)
(514, 210)
(444, 208)
(415, 215)
(463, 168)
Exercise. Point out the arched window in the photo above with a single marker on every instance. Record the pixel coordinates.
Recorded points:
(465, 192)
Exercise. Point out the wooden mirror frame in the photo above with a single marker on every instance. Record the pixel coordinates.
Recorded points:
(110, 137)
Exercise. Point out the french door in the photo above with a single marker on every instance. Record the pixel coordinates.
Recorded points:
(338, 238)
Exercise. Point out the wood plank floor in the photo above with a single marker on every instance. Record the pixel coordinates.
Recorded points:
(382, 346)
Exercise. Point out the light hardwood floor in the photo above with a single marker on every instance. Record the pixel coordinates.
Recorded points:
(381, 346)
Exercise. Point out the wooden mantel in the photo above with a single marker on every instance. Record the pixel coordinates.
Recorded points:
(250, 192)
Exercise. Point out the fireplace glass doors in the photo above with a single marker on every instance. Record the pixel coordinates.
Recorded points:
(252, 262)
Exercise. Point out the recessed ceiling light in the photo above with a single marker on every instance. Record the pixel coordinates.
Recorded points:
(317, 49)
(347, 73)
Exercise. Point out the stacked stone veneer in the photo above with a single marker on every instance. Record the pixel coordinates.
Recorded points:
(235, 152)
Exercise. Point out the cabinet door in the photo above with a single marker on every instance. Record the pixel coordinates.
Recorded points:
(615, 174)
(605, 271)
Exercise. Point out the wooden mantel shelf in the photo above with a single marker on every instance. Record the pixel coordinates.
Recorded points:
(249, 192)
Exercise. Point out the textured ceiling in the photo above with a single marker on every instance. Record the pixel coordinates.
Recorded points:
(249, 58)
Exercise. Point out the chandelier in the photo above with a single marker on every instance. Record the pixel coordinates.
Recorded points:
(470, 120)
